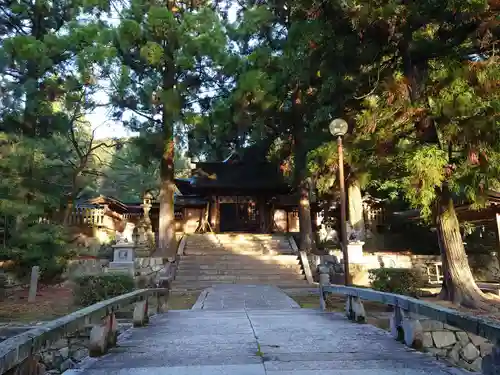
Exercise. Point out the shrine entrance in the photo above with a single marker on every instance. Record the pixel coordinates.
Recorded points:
(238, 214)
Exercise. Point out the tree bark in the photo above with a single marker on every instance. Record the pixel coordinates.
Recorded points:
(67, 211)
(355, 206)
(459, 285)
(307, 242)
(167, 245)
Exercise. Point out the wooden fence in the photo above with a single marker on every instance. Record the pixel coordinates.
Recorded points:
(94, 216)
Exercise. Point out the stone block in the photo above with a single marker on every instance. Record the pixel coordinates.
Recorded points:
(427, 339)
(64, 353)
(454, 354)
(349, 311)
(450, 328)
(477, 340)
(413, 333)
(79, 354)
(462, 337)
(429, 325)
(443, 339)
(485, 348)
(67, 365)
(395, 324)
(476, 365)
(98, 342)
(469, 352)
(140, 314)
(437, 352)
(324, 279)
(358, 310)
(491, 363)
(161, 304)
(113, 330)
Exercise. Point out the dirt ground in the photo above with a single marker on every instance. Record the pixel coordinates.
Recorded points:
(378, 314)
(51, 302)
(55, 301)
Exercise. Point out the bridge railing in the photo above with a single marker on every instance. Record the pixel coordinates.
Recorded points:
(18, 353)
(404, 321)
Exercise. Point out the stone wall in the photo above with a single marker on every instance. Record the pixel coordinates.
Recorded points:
(485, 267)
(65, 354)
(460, 348)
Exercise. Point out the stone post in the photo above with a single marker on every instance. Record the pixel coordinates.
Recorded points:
(141, 317)
(161, 303)
(147, 204)
(491, 362)
(33, 283)
(396, 323)
(103, 336)
(324, 280)
(405, 328)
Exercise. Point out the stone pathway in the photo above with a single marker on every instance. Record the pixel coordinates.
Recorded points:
(253, 330)
(233, 296)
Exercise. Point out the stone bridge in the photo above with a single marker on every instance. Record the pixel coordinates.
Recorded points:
(247, 330)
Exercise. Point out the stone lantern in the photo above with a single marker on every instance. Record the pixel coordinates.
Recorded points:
(147, 199)
(147, 204)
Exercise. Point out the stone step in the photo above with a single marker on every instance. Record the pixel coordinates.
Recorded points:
(238, 240)
(242, 278)
(240, 271)
(201, 285)
(220, 252)
(236, 265)
(240, 258)
(238, 252)
(232, 245)
(239, 266)
(252, 245)
(248, 265)
(225, 239)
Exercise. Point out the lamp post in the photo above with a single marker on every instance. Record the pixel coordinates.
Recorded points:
(338, 128)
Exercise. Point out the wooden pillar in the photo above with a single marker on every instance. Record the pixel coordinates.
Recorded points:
(263, 215)
(287, 221)
(497, 217)
(213, 213)
(217, 215)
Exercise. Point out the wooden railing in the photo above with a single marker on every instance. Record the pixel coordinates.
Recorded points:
(90, 216)
(404, 324)
(94, 216)
(18, 353)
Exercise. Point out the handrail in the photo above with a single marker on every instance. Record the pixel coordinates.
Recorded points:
(16, 350)
(303, 259)
(484, 327)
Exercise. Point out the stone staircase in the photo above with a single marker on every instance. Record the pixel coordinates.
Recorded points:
(238, 259)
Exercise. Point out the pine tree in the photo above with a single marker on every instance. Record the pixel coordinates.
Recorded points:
(46, 56)
(431, 119)
(167, 54)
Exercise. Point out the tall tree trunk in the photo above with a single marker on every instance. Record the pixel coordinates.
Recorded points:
(355, 206)
(167, 245)
(459, 285)
(307, 242)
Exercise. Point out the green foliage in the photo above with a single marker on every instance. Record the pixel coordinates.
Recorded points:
(425, 168)
(403, 281)
(90, 289)
(48, 78)
(38, 245)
